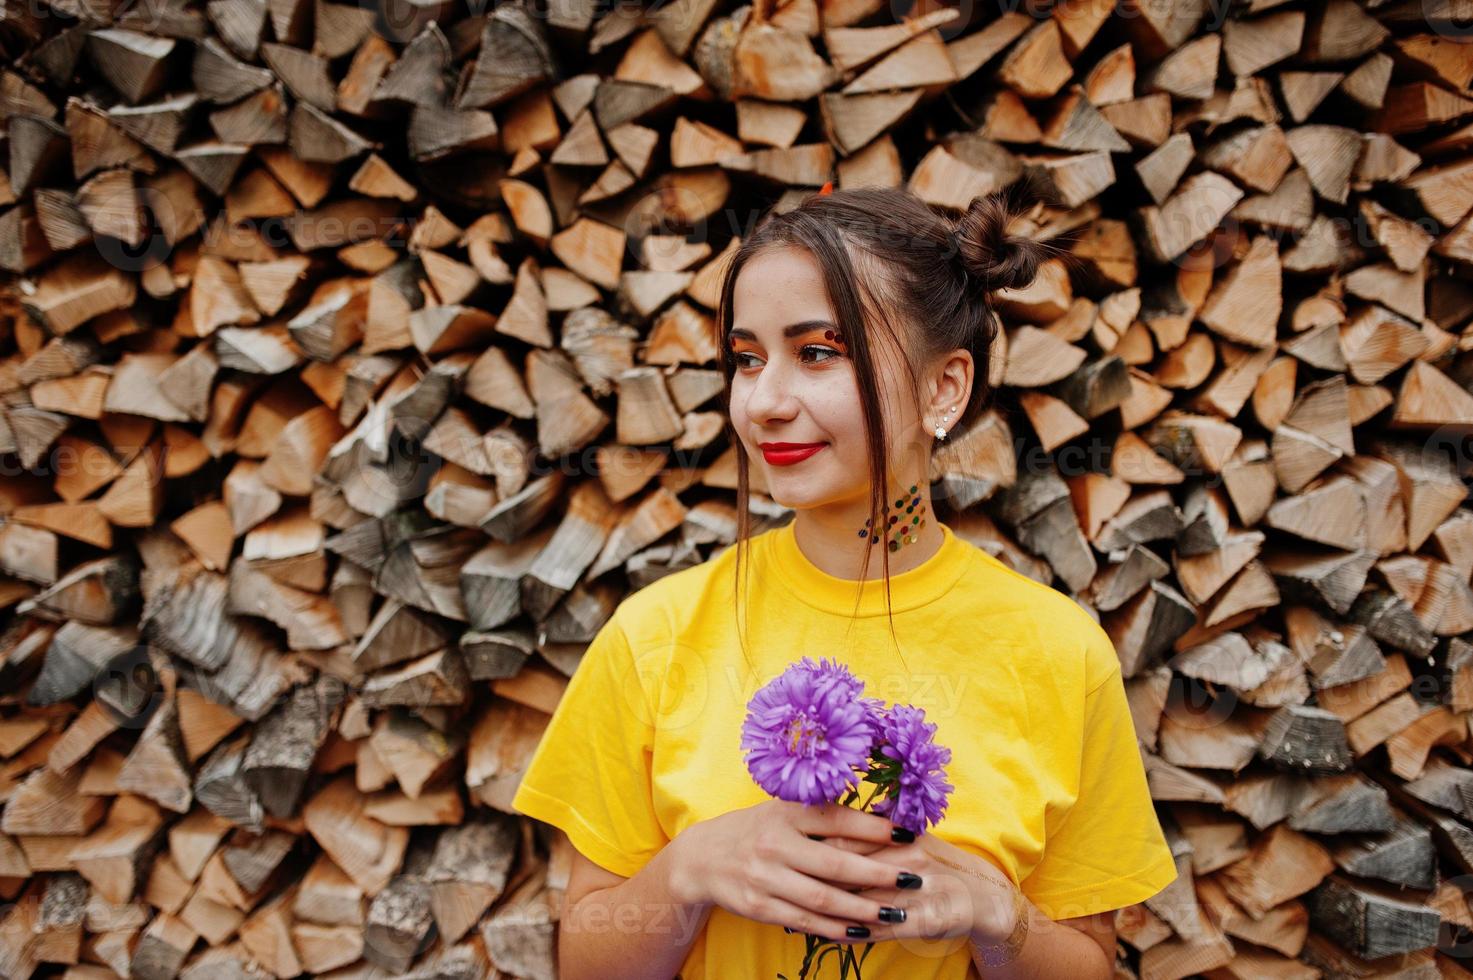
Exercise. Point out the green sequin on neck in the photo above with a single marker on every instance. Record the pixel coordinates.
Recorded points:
(904, 532)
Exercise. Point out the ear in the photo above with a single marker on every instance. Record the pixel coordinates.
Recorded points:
(954, 379)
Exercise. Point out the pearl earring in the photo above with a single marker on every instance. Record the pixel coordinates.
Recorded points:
(940, 432)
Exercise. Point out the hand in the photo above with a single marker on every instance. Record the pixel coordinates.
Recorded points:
(963, 894)
(763, 863)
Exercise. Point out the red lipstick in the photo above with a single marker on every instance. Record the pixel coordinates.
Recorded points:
(788, 453)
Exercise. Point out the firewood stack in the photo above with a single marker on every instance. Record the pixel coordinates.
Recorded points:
(357, 361)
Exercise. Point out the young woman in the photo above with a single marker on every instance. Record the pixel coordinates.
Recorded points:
(854, 334)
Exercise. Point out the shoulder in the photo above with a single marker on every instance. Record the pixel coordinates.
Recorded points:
(676, 601)
(1054, 622)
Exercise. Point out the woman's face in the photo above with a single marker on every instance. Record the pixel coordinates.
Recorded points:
(793, 385)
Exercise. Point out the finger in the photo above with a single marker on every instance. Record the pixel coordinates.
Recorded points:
(862, 849)
(817, 896)
(905, 856)
(850, 844)
(785, 913)
(832, 820)
(841, 867)
(936, 914)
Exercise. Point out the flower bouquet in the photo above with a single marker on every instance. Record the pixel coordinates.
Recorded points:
(811, 737)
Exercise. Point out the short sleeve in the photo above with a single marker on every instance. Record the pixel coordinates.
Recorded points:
(590, 775)
(1107, 849)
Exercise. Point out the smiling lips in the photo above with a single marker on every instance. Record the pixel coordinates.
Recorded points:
(788, 453)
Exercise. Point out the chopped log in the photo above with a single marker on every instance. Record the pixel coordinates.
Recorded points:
(1037, 68)
(1189, 72)
(1342, 805)
(1162, 168)
(1306, 739)
(1188, 215)
(403, 367)
(1282, 865)
(277, 761)
(1371, 921)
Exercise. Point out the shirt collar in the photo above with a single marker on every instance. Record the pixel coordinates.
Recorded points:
(915, 587)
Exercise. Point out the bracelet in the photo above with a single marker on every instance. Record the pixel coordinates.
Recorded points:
(997, 954)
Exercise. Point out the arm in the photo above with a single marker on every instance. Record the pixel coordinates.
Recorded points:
(1082, 948)
(1111, 827)
(638, 928)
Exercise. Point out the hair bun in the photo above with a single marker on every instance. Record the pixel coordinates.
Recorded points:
(988, 252)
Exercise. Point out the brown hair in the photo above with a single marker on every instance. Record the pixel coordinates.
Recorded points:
(893, 261)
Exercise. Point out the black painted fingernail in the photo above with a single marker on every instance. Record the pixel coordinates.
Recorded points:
(787, 930)
(891, 914)
(907, 880)
(856, 932)
(901, 835)
(815, 837)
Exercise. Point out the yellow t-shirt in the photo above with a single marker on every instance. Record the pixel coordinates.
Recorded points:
(1024, 688)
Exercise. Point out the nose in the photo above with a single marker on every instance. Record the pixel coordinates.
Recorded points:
(769, 397)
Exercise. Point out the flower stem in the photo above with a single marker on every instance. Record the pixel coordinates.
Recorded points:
(808, 959)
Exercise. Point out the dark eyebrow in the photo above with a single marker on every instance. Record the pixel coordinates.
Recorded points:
(790, 331)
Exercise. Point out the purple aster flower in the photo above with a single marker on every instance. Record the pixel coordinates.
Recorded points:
(918, 794)
(806, 732)
(827, 671)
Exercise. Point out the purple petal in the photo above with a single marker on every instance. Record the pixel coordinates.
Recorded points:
(920, 799)
(806, 732)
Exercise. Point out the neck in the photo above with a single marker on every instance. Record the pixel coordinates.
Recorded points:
(829, 537)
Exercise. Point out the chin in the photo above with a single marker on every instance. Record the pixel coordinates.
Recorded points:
(799, 494)
(794, 493)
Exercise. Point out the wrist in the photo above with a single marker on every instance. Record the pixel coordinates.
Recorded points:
(991, 899)
(686, 875)
(1001, 927)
